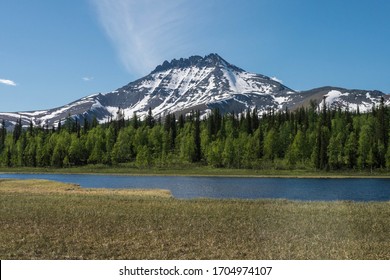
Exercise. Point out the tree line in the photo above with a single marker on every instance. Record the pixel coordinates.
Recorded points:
(313, 137)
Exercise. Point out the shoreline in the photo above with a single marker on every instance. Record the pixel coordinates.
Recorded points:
(50, 220)
(233, 173)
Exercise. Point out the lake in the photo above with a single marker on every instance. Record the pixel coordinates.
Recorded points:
(233, 187)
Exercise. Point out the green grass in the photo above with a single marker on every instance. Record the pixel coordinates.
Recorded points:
(49, 220)
(198, 170)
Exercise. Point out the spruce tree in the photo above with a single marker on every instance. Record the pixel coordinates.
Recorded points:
(149, 118)
(3, 135)
(198, 150)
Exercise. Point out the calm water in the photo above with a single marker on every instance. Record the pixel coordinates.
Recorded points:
(228, 187)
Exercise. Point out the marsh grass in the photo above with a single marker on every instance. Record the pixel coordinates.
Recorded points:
(49, 220)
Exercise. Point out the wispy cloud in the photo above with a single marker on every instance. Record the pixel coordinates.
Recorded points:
(7, 82)
(87, 79)
(146, 32)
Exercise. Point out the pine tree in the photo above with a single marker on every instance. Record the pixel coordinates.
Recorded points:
(17, 130)
(382, 132)
(59, 126)
(248, 122)
(85, 125)
(197, 139)
(173, 132)
(181, 121)
(3, 135)
(388, 158)
(255, 119)
(149, 118)
(31, 128)
(95, 122)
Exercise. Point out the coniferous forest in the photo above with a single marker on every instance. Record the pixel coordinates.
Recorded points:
(315, 137)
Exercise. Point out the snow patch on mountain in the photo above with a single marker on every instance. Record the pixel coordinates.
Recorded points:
(334, 95)
(353, 100)
(196, 83)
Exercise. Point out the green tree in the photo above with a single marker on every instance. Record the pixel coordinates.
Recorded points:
(3, 135)
(335, 151)
(19, 158)
(8, 151)
(60, 151)
(149, 119)
(229, 153)
(77, 153)
(110, 137)
(350, 151)
(187, 143)
(214, 153)
(388, 158)
(96, 145)
(365, 147)
(155, 141)
(123, 150)
(197, 139)
(143, 158)
(135, 121)
(30, 156)
(270, 144)
(17, 132)
(250, 151)
(297, 151)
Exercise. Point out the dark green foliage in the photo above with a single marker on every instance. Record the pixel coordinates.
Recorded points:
(3, 135)
(171, 127)
(322, 139)
(94, 122)
(135, 121)
(149, 119)
(198, 151)
(17, 130)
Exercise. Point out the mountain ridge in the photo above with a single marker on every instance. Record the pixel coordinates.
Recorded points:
(196, 83)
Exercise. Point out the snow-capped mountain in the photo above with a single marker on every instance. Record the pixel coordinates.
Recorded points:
(335, 97)
(196, 83)
(200, 83)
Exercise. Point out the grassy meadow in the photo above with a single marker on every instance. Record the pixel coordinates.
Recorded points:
(49, 220)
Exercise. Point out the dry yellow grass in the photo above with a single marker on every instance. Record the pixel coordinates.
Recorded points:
(48, 220)
(51, 187)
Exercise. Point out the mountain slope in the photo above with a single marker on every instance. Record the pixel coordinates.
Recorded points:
(196, 83)
(336, 97)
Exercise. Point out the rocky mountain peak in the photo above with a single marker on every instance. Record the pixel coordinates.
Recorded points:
(202, 83)
(211, 60)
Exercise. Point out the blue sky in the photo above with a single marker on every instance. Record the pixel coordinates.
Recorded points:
(54, 52)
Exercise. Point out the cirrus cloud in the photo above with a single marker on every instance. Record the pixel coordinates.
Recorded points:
(7, 82)
(144, 33)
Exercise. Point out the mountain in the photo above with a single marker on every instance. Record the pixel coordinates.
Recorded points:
(197, 83)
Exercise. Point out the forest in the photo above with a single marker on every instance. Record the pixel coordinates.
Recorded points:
(313, 137)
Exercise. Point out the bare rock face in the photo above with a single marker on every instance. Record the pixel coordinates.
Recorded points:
(197, 83)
